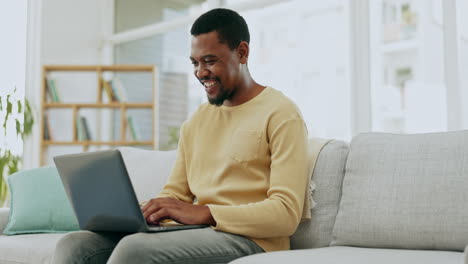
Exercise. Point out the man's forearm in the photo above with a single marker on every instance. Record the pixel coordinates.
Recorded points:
(209, 218)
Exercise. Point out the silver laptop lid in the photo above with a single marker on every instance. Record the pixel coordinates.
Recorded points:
(100, 191)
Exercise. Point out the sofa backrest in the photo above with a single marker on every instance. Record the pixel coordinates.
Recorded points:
(148, 170)
(327, 176)
(405, 191)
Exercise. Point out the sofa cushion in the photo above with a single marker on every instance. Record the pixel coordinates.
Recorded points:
(4, 215)
(28, 249)
(405, 191)
(39, 203)
(351, 255)
(148, 170)
(328, 177)
(466, 255)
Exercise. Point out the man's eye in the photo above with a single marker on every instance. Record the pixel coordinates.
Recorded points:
(194, 63)
(210, 61)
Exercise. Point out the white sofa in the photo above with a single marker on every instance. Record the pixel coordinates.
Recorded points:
(384, 198)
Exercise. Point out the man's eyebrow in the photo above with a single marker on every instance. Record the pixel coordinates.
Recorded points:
(208, 56)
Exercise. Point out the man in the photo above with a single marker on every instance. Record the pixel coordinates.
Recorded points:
(242, 157)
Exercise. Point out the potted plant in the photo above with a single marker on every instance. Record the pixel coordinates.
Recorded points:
(12, 111)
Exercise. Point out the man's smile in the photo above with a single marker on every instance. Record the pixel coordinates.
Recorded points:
(210, 86)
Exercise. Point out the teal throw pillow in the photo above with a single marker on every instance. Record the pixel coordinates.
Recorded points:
(39, 203)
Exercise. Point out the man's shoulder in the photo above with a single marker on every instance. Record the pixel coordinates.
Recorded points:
(282, 105)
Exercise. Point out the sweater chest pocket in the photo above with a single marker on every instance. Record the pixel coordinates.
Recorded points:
(245, 145)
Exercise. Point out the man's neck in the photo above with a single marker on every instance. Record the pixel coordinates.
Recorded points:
(245, 93)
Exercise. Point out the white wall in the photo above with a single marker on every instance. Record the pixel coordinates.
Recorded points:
(462, 7)
(70, 33)
(12, 66)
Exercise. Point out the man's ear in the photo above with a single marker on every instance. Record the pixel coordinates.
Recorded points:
(243, 52)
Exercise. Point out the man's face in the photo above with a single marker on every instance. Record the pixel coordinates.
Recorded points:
(215, 66)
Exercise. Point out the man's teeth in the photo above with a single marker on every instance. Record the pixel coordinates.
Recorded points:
(209, 84)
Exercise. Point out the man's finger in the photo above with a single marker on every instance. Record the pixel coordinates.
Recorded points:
(158, 201)
(151, 209)
(147, 204)
(159, 215)
(157, 205)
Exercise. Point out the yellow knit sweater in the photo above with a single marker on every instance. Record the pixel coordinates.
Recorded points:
(248, 163)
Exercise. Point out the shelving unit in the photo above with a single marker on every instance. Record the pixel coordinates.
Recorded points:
(99, 104)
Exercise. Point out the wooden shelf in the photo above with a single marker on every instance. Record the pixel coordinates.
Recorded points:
(98, 105)
(97, 143)
(118, 68)
(126, 124)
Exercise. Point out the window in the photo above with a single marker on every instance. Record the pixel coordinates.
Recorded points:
(302, 49)
(407, 66)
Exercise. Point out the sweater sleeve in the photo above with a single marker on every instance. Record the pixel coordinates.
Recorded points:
(280, 213)
(177, 185)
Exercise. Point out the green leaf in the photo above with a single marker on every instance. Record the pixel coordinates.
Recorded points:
(18, 128)
(9, 110)
(9, 164)
(9, 105)
(1, 103)
(28, 119)
(13, 165)
(20, 107)
(4, 159)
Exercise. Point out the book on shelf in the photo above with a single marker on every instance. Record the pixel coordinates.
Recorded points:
(47, 135)
(134, 135)
(107, 87)
(82, 129)
(119, 90)
(85, 125)
(52, 90)
(114, 90)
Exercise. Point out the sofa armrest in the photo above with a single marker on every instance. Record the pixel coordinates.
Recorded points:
(466, 254)
(4, 215)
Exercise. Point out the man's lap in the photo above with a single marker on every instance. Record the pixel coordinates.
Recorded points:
(186, 246)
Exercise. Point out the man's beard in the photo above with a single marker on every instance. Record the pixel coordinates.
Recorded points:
(219, 99)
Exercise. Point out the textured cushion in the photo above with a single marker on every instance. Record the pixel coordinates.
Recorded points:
(405, 191)
(28, 249)
(39, 203)
(148, 170)
(350, 255)
(328, 177)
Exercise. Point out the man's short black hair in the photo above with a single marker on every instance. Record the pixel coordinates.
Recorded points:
(231, 27)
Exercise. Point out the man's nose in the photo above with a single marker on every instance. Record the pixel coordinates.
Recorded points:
(201, 72)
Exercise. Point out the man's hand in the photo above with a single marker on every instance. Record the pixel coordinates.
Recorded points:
(159, 209)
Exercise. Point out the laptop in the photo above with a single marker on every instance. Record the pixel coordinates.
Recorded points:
(101, 193)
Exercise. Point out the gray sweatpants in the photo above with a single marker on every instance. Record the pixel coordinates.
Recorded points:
(185, 246)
